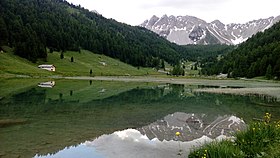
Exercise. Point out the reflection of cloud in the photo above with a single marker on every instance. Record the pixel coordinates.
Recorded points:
(80, 151)
(131, 143)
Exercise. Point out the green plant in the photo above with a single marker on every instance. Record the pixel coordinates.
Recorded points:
(223, 149)
(260, 139)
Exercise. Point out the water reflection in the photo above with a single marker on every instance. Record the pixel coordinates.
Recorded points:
(49, 84)
(192, 126)
(46, 120)
(157, 140)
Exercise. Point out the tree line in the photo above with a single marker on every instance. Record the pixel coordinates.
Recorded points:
(205, 52)
(258, 56)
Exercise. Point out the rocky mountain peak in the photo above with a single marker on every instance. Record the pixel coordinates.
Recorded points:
(218, 24)
(192, 30)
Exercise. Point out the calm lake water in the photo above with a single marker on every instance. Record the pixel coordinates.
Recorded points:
(95, 119)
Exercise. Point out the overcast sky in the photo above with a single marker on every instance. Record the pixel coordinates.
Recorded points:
(134, 12)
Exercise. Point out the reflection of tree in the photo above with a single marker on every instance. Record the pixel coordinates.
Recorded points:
(177, 90)
(60, 97)
(157, 101)
(71, 92)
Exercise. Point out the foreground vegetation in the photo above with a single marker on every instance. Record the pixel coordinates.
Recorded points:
(261, 139)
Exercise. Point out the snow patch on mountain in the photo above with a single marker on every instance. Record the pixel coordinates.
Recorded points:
(192, 30)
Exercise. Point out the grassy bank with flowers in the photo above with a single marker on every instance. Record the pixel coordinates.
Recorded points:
(261, 139)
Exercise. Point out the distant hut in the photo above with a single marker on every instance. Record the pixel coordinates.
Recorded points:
(47, 67)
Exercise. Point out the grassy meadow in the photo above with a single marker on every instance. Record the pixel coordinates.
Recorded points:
(12, 65)
(83, 62)
(100, 65)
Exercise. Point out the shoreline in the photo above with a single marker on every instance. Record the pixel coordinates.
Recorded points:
(208, 85)
(236, 87)
(186, 81)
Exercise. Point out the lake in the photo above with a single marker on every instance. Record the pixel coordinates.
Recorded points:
(106, 119)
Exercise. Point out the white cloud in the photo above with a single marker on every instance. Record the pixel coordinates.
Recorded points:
(135, 12)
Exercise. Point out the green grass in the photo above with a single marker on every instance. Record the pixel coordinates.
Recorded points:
(188, 69)
(12, 65)
(86, 60)
(261, 139)
(223, 149)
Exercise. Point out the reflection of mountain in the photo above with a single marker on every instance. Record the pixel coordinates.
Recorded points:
(127, 144)
(131, 143)
(157, 139)
(192, 126)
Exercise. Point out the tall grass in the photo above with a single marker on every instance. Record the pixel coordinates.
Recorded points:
(261, 139)
(223, 149)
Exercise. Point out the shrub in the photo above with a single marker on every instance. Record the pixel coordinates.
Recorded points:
(223, 149)
(260, 139)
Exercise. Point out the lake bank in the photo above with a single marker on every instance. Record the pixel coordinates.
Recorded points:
(236, 87)
(182, 80)
(208, 85)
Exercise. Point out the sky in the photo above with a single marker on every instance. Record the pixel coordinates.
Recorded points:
(135, 12)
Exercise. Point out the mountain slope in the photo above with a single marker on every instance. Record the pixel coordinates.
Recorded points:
(191, 30)
(258, 56)
(60, 26)
(11, 64)
(81, 65)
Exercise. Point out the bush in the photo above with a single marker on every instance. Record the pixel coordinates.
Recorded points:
(223, 149)
(261, 139)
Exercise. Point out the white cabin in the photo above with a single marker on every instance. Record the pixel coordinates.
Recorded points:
(47, 67)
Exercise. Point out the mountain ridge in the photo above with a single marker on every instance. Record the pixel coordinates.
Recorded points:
(187, 29)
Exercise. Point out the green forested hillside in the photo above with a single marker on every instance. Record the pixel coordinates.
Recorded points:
(205, 52)
(258, 56)
(31, 26)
